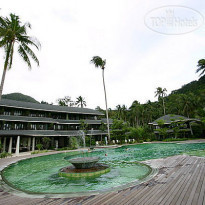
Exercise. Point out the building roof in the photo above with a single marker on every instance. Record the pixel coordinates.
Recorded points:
(45, 107)
(48, 133)
(168, 119)
(14, 118)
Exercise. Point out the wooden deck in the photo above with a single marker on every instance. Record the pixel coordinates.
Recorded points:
(180, 180)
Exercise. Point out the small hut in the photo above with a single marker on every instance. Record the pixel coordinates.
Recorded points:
(173, 126)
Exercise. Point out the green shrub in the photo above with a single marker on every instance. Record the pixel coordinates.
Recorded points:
(46, 142)
(174, 139)
(73, 143)
(39, 151)
(5, 154)
(39, 146)
(63, 148)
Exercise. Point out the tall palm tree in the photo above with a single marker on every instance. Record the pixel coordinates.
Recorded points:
(119, 112)
(188, 102)
(135, 113)
(13, 32)
(99, 62)
(124, 112)
(201, 67)
(80, 101)
(161, 93)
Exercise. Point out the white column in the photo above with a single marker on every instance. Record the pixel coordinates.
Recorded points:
(10, 145)
(4, 145)
(33, 145)
(29, 144)
(17, 145)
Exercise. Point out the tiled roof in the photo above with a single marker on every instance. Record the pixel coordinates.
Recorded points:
(49, 120)
(44, 119)
(168, 119)
(49, 133)
(45, 107)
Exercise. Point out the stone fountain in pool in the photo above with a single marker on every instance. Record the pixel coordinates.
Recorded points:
(84, 167)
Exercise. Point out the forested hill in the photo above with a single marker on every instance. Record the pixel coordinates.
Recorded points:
(19, 97)
(193, 87)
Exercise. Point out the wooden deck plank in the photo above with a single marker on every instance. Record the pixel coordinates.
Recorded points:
(191, 189)
(170, 188)
(137, 199)
(155, 190)
(177, 191)
(199, 187)
(193, 198)
(202, 193)
(190, 179)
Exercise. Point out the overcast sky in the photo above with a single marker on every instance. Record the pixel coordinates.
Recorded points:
(138, 59)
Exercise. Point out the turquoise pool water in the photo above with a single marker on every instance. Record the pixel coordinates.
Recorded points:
(40, 174)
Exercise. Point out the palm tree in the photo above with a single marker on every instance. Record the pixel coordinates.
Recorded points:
(124, 112)
(80, 101)
(188, 102)
(119, 112)
(201, 67)
(99, 62)
(161, 93)
(135, 113)
(13, 32)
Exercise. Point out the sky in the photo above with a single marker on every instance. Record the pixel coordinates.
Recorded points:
(139, 58)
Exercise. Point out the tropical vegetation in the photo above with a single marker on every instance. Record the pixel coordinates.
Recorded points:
(80, 101)
(12, 33)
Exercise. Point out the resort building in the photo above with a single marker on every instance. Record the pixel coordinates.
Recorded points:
(23, 124)
(174, 125)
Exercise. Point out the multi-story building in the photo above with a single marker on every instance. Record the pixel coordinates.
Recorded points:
(22, 124)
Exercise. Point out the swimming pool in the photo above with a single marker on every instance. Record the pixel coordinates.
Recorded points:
(40, 174)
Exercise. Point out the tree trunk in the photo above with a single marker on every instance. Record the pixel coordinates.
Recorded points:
(108, 126)
(5, 68)
(2, 82)
(163, 105)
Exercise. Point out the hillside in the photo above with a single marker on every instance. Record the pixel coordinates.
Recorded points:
(194, 87)
(19, 97)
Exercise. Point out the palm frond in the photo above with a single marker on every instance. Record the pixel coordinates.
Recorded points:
(3, 23)
(201, 66)
(3, 42)
(98, 62)
(29, 41)
(30, 52)
(24, 55)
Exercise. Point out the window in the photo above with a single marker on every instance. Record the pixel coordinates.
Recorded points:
(7, 113)
(6, 127)
(18, 126)
(33, 126)
(17, 113)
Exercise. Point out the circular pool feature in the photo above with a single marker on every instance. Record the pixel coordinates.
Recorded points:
(39, 175)
(84, 162)
(94, 171)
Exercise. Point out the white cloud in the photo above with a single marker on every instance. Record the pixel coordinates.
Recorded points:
(71, 32)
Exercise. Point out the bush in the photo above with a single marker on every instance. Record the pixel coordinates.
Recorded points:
(174, 139)
(5, 154)
(63, 148)
(137, 133)
(39, 146)
(46, 142)
(39, 151)
(73, 143)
